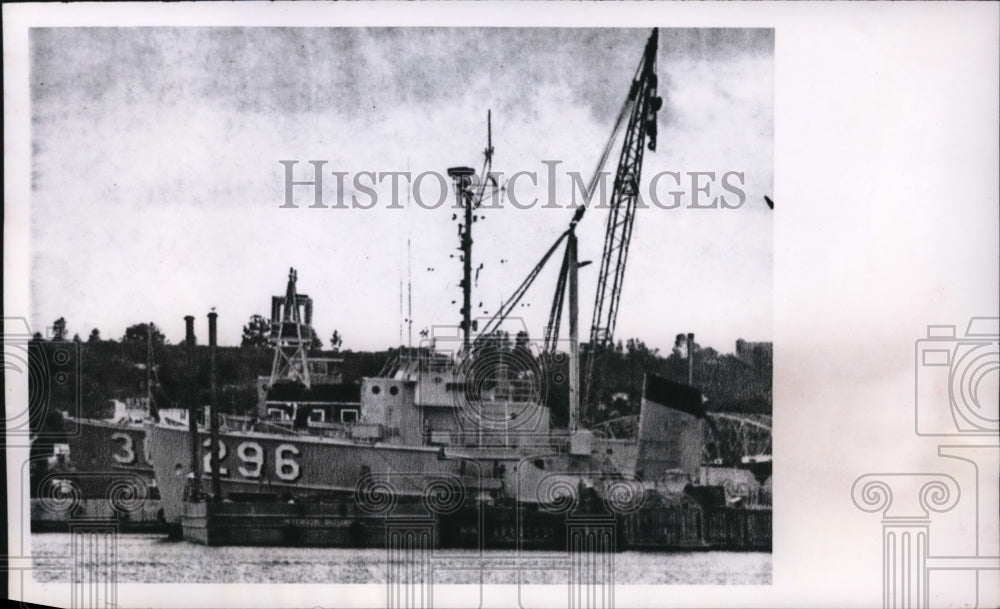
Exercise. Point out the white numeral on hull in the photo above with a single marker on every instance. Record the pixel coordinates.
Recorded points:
(126, 452)
(251, 454)
(207, 459)
(286, 467)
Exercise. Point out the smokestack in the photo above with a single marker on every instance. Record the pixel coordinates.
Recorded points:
(189, 339)
(192, 399)
(212, 336)
(690, 350)
(214, 423)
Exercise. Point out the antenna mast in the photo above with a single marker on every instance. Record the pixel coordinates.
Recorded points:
(409, 296)
(409, 273)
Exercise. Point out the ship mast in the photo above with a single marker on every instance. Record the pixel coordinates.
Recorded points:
(462, 178)
(572, 266)
(469, 193)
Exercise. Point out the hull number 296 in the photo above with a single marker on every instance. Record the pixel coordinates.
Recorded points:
(253, 460)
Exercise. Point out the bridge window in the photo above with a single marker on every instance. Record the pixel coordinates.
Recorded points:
(318, 368)
(317, 416)
(349, 415)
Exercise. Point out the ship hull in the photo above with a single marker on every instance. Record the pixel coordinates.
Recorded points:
(109, 476)
(293, 467)
(105, 447)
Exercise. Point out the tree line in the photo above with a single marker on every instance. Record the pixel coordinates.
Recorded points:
(256, 333)
(101, 370)
(134, 333)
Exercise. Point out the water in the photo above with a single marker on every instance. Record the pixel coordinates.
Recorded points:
(153, 559)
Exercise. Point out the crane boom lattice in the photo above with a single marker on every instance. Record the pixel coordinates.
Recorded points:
(641, 131)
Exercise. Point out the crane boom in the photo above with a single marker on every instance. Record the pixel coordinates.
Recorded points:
(641, 130)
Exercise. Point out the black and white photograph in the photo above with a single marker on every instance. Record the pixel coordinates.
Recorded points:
(486, 223)
(356, 311)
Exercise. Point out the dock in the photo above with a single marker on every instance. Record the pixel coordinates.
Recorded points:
(683, 525)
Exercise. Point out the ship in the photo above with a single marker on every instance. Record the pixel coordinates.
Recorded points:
(106, 472)
(432, 433)
(455, 424)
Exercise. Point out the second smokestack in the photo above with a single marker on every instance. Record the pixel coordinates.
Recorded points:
(189, 339)
(212, 336)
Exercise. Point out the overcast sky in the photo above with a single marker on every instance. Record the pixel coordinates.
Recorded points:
(156, 184)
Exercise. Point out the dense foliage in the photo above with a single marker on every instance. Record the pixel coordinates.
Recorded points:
(82, 377)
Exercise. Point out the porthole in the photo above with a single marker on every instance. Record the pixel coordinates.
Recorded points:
(376, 389)
(393, 390)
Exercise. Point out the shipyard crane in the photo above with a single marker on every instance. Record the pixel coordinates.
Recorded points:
(641, 106)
